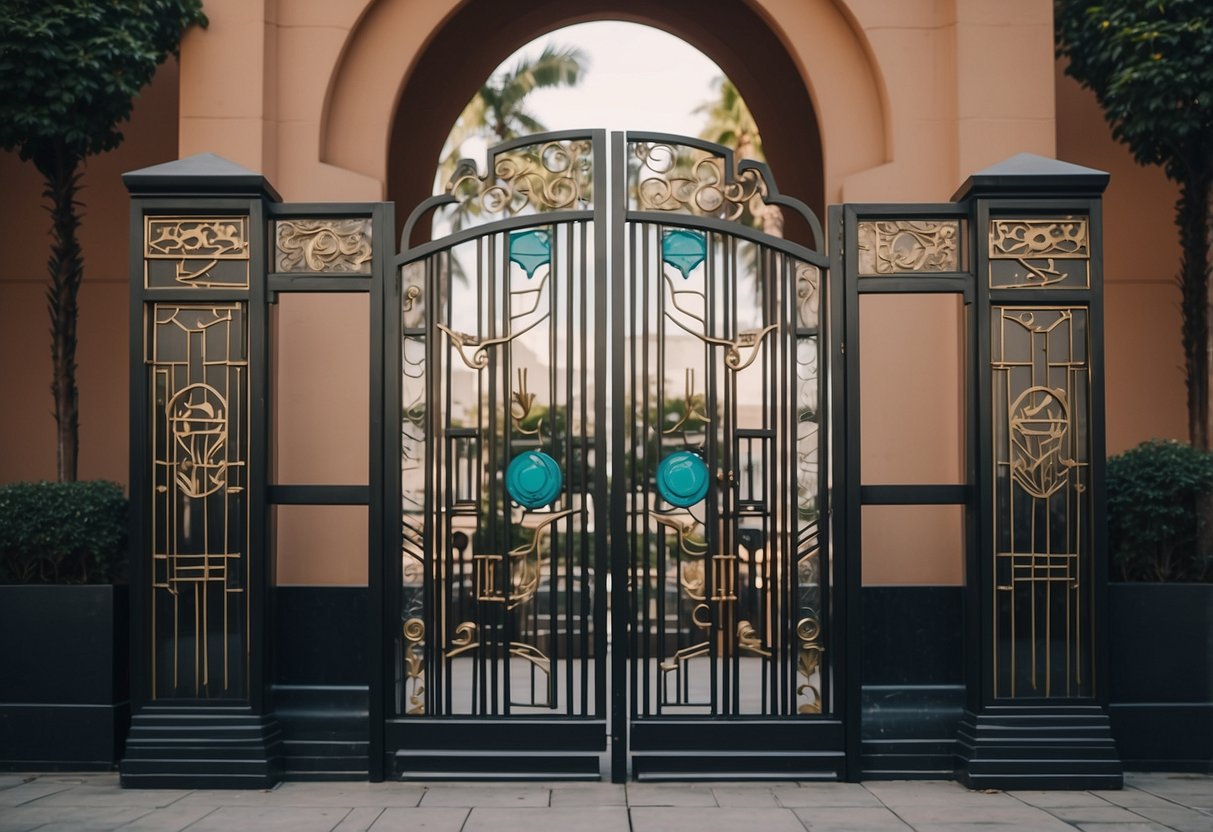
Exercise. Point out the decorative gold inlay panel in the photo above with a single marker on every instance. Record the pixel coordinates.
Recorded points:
(200, 252)
(554, 176)
(323, 245)
(1042, 579)
(907, 246)
(1040, 253)
(197, 358)
(687, 180)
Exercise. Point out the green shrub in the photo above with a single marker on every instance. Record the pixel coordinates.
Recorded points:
(62, 533)
(1160, 513)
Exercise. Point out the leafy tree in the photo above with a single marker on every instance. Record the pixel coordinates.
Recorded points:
(69, 70)
(1150, 64)
(730, 123)
(498, 109)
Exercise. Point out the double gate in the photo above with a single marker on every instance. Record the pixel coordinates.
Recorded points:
(613, 447)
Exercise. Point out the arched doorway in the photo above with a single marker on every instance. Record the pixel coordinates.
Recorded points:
(612, 442)
(447, 72)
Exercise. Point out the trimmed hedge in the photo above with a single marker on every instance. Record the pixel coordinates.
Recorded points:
(62, 533)
(1160, 513)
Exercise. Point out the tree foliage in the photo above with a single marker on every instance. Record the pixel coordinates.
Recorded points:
(1159, 500)
(69, 71)
(1150, 65)
(498, 110)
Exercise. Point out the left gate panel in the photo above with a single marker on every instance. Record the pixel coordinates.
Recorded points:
(498, 663)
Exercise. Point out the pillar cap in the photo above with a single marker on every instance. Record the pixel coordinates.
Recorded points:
(1026, 175)
(204, 174)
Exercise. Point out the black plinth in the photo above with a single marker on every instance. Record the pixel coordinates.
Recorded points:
(202, 746)
(1038, 747)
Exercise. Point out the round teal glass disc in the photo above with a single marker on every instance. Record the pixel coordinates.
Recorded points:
(533, 479)
(682, 479)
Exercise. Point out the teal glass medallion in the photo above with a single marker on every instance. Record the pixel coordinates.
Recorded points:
(533, 479)
(684, 250)
(530, 250)
(682, 479)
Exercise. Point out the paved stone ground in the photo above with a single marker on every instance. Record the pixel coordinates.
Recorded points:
(88, 802)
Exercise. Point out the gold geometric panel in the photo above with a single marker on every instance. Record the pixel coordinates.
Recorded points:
(196, 252)
(197, 359)
(323, 245)
(1041, 372)
(1040, 253)
(907, 246)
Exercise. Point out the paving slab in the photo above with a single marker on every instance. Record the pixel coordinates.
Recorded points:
(7, 781)
(358, 820)
(1192, 790)
(270, 818)
(1096, 814)
(746, 797)
(898, 793)
(581, 819)
(920, 817)
(699, 819)
(421, 820)
(226, 797)
(75, 818)
(350, 795)
(113, 795)
(589, 794)
(851, 819)
(670, 794)
(171, 819)
(30, 791)
(825, 795)
(472, 795)
(1145, 826)
(1178, 818)
(1132, 798)
(1060, 799)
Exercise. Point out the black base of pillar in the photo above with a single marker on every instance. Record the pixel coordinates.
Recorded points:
(202, 746)
(1038, 747)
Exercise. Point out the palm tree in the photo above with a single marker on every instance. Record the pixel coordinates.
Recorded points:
(730, 123)
(498, 109)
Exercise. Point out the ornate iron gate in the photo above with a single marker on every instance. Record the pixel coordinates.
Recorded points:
(612, 404)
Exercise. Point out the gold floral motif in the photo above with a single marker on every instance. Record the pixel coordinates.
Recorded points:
(692, 181)
(414, 664)
(324, 245)
(200, 246)
(553, 176)
(897, 246)
(808, 296)
(1037, 246)
(808, 633)
(747, 639)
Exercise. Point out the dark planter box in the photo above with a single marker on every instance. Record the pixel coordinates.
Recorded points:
(1161, 670)
(64, 700)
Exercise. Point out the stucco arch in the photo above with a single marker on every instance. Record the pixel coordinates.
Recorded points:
(408, 66)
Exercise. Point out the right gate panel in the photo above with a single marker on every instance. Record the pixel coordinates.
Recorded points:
(719, 471)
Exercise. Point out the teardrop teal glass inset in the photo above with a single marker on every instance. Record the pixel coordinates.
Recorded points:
(530, 250)
(533, 479)
(683, 249)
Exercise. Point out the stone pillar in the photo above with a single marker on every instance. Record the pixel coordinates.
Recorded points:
(200, 574)
(1037, 580)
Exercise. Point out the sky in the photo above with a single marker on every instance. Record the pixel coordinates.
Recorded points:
(638, 78)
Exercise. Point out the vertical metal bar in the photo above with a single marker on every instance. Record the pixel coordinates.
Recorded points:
(639, 535)
(619, 576)
(849, 567)
(383, 585)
